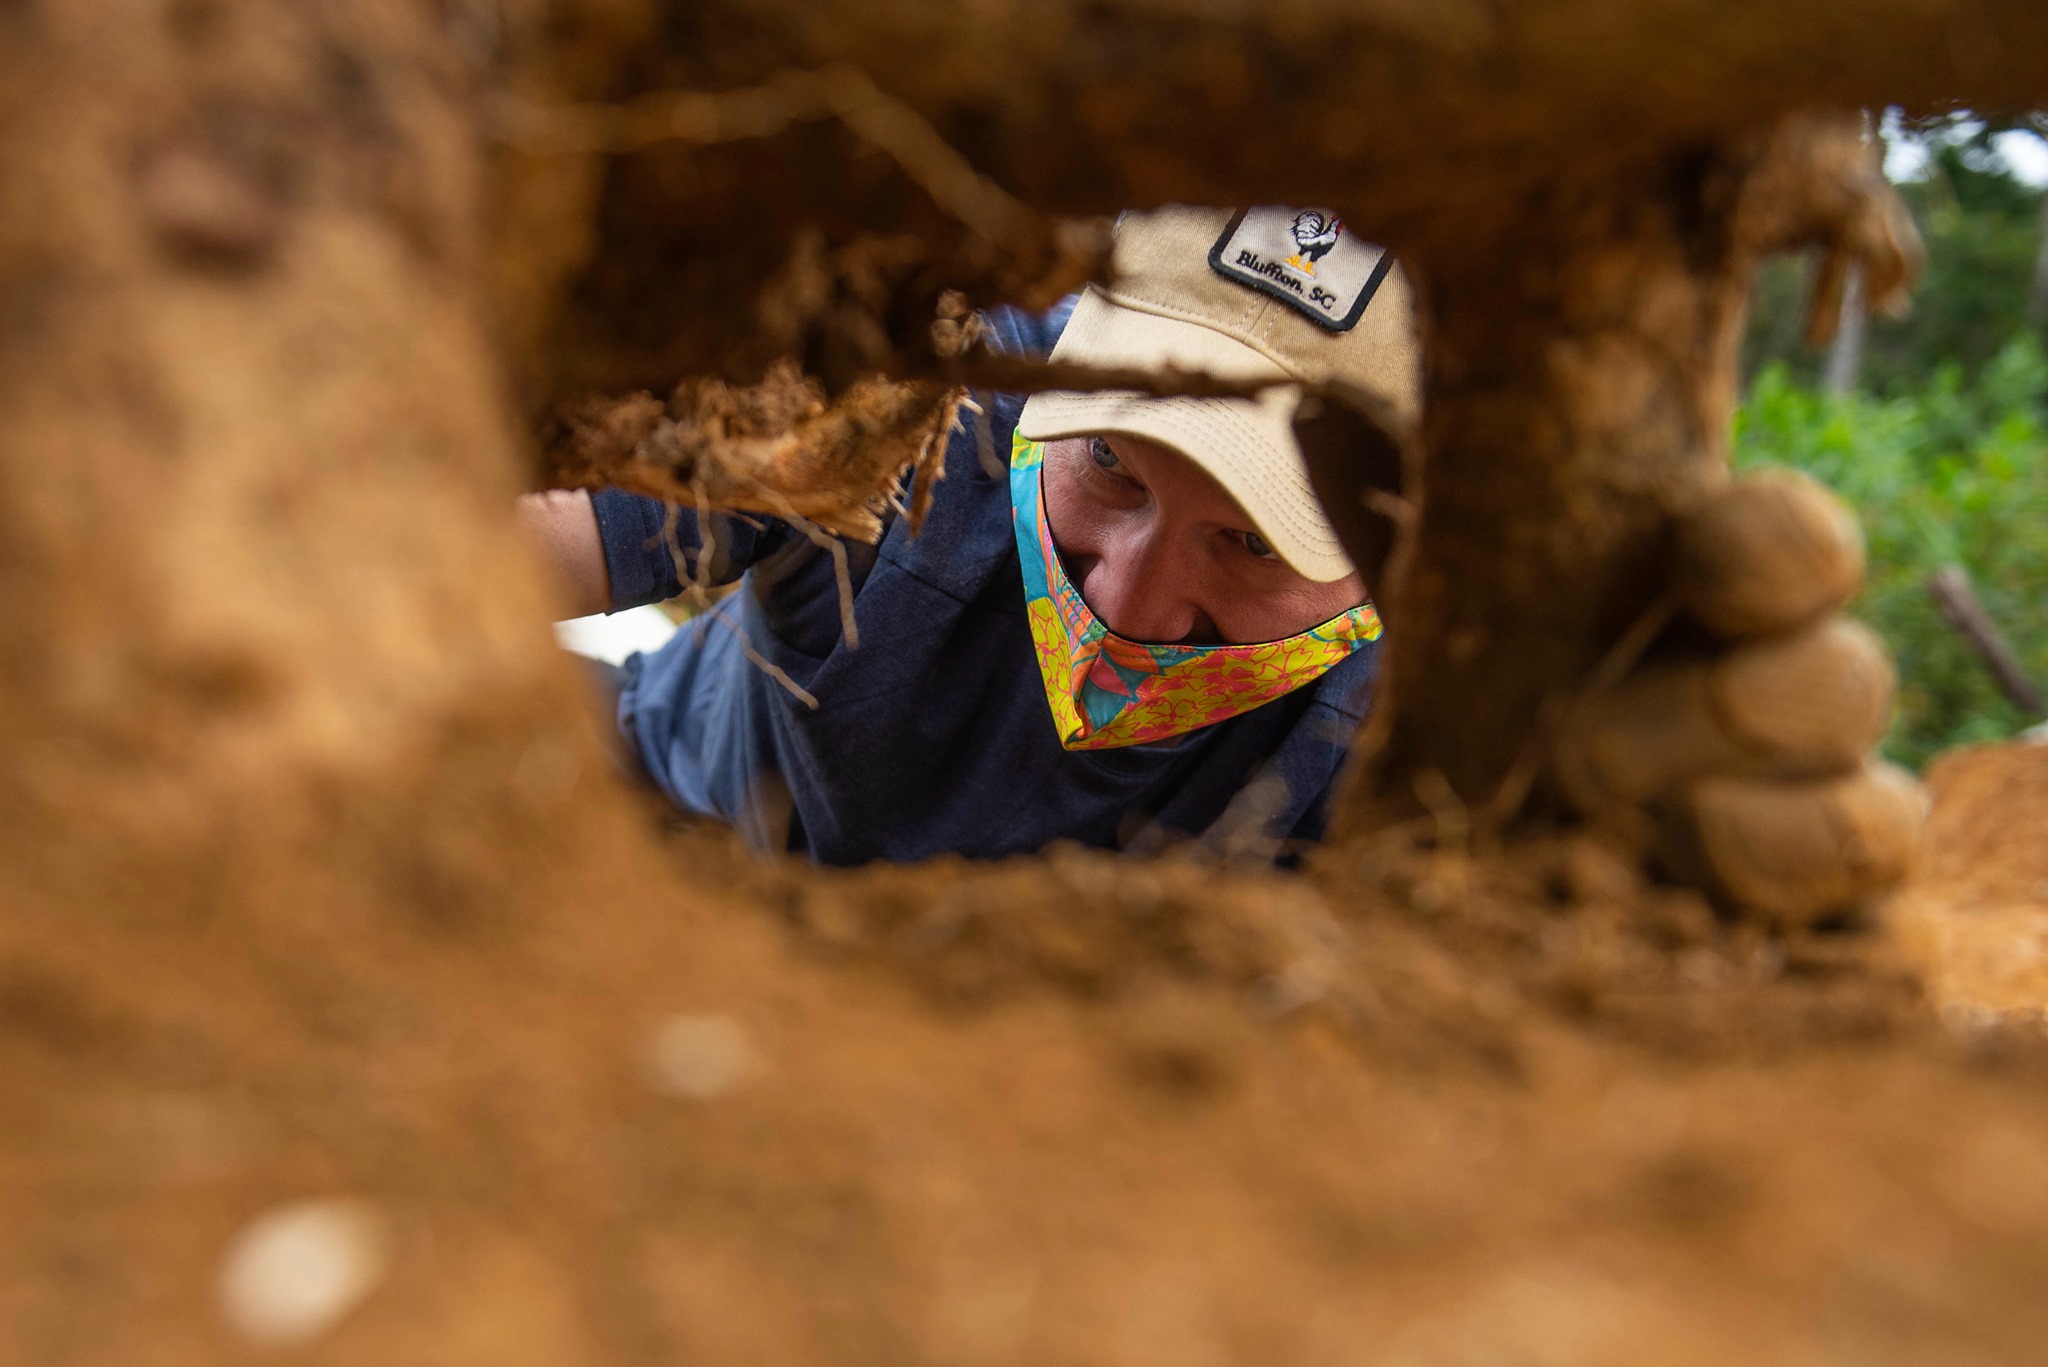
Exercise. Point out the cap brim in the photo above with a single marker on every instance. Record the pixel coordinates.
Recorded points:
(1245, 445)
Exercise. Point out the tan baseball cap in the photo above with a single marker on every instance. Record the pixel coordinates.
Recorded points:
(1266, 293)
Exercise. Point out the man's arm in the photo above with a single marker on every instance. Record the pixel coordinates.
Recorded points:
(618, 549)
(612, 550)
(562, 527)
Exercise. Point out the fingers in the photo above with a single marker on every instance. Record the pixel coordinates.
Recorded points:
(1752, 759)
(1800, 849)
(1811, 702)
(1772, 551)
(1653, 732)
(1808, 703)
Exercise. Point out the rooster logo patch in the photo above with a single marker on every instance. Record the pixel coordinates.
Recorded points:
(1314, 235)
(1305, 259)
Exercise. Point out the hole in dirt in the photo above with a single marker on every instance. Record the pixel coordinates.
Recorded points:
(954, 691)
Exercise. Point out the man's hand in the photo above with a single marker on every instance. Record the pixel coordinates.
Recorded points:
(1746, 765)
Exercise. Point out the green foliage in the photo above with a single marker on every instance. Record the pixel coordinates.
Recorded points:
(1953, 471)
(1983, 230)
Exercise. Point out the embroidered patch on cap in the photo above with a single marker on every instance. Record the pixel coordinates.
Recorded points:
(1305, 258)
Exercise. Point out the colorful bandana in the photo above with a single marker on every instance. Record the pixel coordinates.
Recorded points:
(1106, 691)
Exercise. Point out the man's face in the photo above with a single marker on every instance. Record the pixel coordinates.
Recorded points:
(1163, 555)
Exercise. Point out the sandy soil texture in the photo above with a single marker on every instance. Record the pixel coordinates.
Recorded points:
(352, 1010)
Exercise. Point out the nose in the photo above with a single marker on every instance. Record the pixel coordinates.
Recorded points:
(1142, 590)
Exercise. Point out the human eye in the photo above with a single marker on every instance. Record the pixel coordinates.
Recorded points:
(1257, 545)
(1099, 451)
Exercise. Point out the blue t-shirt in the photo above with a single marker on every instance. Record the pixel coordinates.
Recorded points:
(933, 735)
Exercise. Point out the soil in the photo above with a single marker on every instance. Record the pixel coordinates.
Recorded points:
(1978, 911)
(1405, 1107)
(314, 884)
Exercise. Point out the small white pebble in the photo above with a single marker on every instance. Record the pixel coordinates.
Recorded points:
(298, 1269)
(699, 1057)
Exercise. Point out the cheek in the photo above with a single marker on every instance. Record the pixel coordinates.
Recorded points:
(1318, 603)
(1343, 595)
(1277, 613)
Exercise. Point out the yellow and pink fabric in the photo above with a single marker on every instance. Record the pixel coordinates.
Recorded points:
(1106, 691)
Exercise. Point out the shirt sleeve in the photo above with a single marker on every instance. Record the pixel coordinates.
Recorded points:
(1013, 332)
(641, 562)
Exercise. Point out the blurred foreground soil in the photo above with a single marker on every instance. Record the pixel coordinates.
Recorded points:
(349, 1011)
(1978, 912)
(1408, 1107)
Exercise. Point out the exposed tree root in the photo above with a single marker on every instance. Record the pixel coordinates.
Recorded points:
(778, 447)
